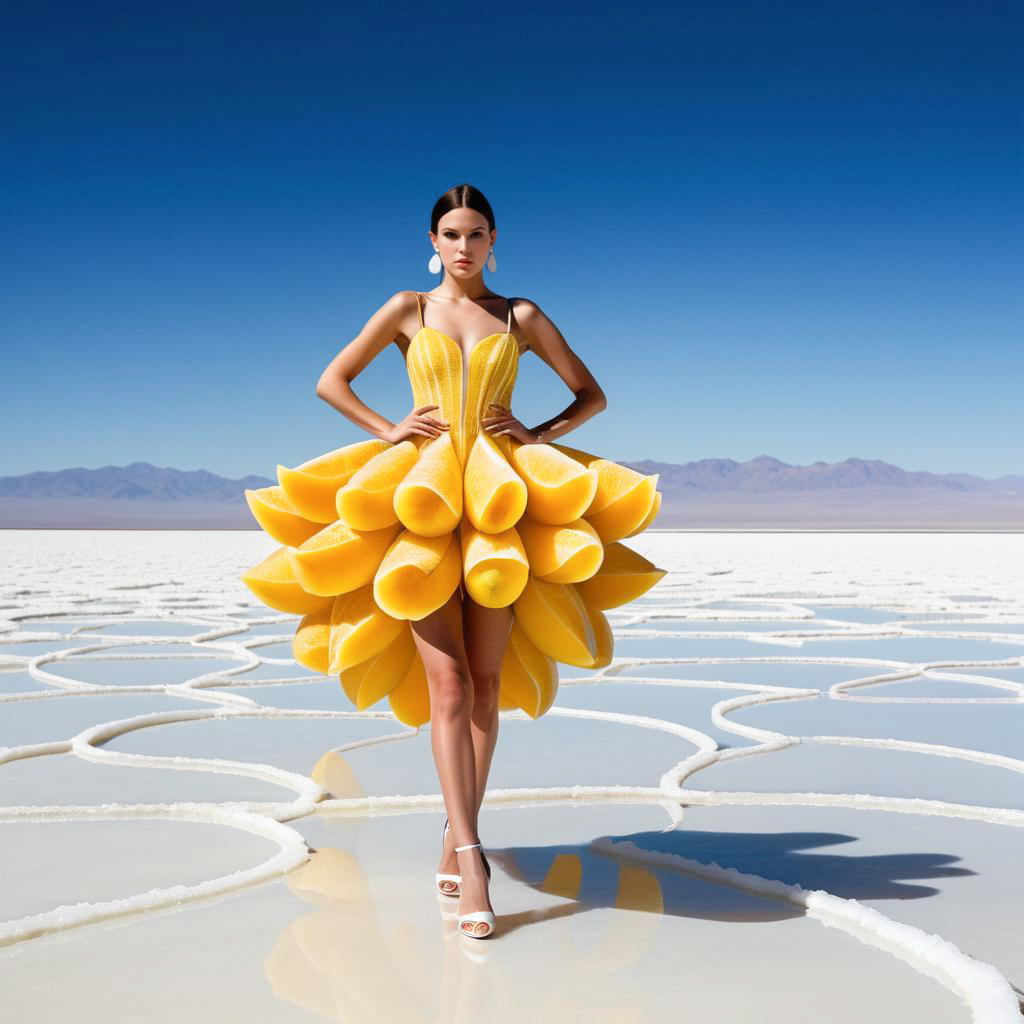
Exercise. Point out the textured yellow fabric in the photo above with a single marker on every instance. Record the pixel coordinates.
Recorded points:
(438, 377)
(376, 536)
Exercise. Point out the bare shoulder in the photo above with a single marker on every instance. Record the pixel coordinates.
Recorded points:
(535, 327)
(526, 311)
(401, 303)
(399, 315)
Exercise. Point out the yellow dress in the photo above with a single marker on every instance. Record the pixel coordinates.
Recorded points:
(376, 535)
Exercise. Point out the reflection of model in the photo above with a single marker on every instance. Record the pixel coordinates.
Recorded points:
(464, 554)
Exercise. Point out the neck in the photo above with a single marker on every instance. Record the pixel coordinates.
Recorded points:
(472, 288)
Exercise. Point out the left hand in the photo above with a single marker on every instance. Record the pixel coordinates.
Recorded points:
(503, 422)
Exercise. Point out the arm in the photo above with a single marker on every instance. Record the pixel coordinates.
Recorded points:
(546, 340)
(335, 383)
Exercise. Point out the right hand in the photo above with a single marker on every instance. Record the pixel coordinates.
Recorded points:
(417, 422)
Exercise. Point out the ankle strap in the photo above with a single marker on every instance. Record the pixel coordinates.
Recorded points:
(468, 846)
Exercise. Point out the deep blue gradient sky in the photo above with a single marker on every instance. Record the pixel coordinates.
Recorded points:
(788, 228)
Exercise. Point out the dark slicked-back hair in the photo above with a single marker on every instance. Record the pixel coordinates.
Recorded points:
(461, 196)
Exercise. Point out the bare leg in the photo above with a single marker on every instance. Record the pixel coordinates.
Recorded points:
(486, 632)
(440, 641)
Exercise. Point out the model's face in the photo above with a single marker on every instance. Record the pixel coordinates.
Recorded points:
(463, 241)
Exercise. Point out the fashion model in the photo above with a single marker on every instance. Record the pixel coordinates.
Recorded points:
(451, 562)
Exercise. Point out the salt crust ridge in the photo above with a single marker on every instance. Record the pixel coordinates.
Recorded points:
(989, 996)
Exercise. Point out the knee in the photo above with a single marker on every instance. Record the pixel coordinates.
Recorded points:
(485, 690)
(451, 694)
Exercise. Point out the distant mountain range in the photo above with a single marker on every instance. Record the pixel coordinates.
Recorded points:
(767, 474)
(762, 493)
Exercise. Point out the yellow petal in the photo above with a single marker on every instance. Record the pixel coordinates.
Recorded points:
(495, 566)
(339, 559)
(374, 678)
(359, 629)
(366, 502)
(417, 575)
(604, 640)
(624, 576)
(428, 500)
(614, 483)
(561, 554)
(529, 678)
(274, 582)
(555, 619)
(496, 495)
(621, 516)
(410, 700)
(576, 453)
(311, 645)
(272, 510)
(559, 489)
(655, 508)
(312, 487)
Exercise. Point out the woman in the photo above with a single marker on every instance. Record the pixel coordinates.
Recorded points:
(479, 514)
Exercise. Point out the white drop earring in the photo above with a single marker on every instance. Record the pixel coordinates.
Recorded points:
(492, 263)
(434, 266)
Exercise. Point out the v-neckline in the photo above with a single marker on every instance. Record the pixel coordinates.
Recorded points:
(467, 357)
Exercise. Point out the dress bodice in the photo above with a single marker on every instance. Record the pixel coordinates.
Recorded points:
(463, 393)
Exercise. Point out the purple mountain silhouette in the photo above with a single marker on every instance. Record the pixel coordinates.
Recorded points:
(761, 493)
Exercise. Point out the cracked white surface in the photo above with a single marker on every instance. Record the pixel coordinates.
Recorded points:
(883, 621)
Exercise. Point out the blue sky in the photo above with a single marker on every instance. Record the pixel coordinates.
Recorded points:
(768, 228)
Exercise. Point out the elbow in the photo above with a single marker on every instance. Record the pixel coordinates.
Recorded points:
(332, 386)
(592, 398)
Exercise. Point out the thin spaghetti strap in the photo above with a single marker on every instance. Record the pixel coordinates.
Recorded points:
(508, 326)
(419, 307)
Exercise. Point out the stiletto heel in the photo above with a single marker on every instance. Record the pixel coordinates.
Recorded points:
(447, 885)
(454, 882)
(476, 916)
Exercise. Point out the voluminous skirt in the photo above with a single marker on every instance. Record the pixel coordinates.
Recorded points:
(376, 535)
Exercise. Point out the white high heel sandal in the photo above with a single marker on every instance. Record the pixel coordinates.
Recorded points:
(487, 916)
(454, 881)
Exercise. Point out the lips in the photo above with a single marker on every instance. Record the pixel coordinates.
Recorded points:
(464, 261)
